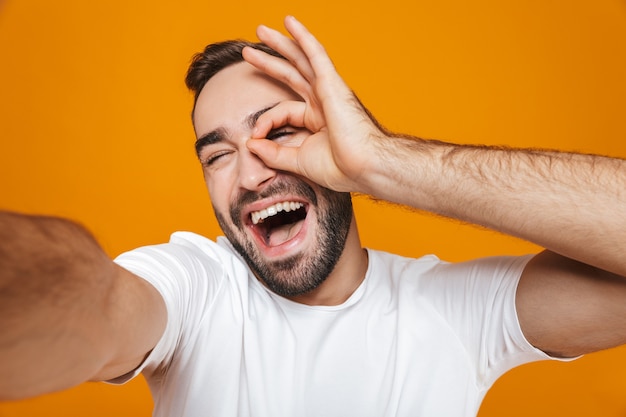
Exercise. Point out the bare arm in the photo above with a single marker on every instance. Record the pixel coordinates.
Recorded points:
(572, 298)
(572, 204)
(68, 314)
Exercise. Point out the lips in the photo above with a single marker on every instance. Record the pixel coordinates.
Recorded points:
(279, 224)
(276, 218)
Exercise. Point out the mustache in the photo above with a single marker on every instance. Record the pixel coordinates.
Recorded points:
(295, 187)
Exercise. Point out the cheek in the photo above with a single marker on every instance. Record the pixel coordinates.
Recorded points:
(220, 189)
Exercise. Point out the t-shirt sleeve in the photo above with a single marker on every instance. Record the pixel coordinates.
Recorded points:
(479, 303)
(188, 279)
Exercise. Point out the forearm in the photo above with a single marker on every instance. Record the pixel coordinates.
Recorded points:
(572, 204)
(53, 282)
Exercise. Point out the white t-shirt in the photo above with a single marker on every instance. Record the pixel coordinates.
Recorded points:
(419, 337)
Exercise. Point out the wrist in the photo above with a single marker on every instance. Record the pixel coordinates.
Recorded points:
(399, 168)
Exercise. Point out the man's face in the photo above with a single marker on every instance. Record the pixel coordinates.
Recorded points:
(290, 231)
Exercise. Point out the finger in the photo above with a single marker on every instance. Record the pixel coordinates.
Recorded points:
(285, 113)
(330, 88)
(287, 48)
(275, 156)
(278, 69)
(313, 50)
(329, 85)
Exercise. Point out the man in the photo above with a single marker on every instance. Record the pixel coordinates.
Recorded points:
(290, 316)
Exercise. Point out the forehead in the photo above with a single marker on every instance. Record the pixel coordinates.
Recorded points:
(233, 94)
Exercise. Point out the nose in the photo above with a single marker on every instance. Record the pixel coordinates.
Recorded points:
(253, 173)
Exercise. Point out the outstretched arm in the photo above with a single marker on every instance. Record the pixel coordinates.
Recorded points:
(572, 204)
(68, 314)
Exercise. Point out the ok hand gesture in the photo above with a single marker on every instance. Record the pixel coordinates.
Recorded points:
(340, 151)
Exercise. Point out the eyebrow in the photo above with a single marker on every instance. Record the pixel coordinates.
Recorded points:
(220, 134)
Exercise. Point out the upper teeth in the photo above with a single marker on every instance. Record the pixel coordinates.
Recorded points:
(273, 210)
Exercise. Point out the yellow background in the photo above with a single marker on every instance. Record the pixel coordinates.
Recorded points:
(94, 125)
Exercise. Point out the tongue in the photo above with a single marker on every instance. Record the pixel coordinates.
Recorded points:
(281, 234)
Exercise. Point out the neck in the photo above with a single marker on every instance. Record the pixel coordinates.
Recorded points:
(345, 278)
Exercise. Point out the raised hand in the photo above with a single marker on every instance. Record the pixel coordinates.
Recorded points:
(344, 137)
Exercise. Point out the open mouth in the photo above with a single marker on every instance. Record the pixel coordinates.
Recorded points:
(279, 223)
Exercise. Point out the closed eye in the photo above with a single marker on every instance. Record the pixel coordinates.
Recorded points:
(214, 157)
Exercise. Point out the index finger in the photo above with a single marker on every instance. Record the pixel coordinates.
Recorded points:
(284, 113)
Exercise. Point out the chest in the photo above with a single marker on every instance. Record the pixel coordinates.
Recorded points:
(368, 359)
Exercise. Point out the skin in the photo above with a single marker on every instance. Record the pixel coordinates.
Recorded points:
(571, 299)
(60, 294)
(225, 110)
(101, 321)
(58, 289)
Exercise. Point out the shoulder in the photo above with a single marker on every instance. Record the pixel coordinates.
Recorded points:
(188, 260)
(393, 264)
(430, 273)
(184, 248)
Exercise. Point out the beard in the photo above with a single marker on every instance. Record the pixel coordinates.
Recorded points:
(302, 272)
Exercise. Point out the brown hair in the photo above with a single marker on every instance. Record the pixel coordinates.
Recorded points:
(214, 58)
